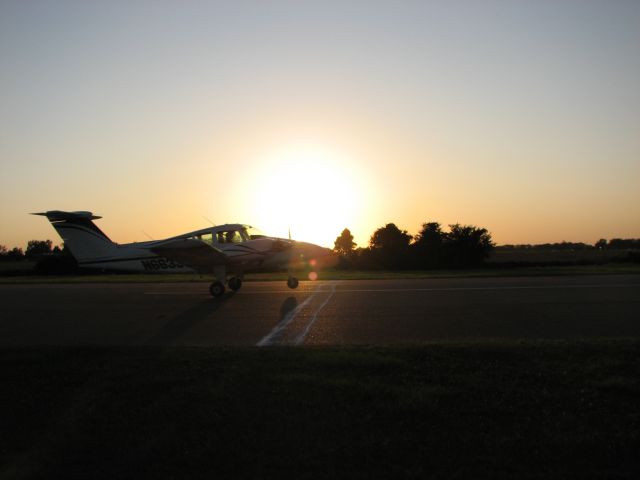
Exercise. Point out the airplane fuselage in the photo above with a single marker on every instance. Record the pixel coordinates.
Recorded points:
(223, 250)
(245, 253)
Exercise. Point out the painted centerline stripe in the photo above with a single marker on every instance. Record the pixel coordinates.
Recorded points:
(431, 289)
(462, 289)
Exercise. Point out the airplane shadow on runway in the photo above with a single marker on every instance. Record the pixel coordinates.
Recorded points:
(185, 321)
(288, 306)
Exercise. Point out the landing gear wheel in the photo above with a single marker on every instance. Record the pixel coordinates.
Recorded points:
(292, 282)
(216, 289)
(235, 283)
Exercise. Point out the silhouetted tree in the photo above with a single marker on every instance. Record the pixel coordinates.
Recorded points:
(363, 258)
(38, 247)
(624, 243)
(390, 237)
(344, 244)
(601, 244)
(15, 254)
(390, 246)
(427, 246)
(466, 245)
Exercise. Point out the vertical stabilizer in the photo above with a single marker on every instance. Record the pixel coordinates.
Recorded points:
(83, 238)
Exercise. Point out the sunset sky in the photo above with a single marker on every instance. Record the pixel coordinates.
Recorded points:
(522, 117)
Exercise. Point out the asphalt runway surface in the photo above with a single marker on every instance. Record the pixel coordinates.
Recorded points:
(344, 312)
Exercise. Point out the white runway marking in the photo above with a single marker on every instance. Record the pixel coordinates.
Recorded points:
(463, 289)
(300, 338)
(274, 336)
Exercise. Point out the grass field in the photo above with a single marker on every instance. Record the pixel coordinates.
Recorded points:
(509, 410)
(613, 268)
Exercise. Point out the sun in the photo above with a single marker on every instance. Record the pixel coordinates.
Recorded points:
(310, 191)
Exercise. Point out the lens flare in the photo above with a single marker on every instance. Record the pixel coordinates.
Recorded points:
(313, 276)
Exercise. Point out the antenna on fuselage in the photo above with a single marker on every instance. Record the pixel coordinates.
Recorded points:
(289, 233)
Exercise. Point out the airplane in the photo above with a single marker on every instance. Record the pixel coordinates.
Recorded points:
(227, 251)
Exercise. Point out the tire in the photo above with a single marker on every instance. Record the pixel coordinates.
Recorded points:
(216, 289)
(292, 282)
(235, 283)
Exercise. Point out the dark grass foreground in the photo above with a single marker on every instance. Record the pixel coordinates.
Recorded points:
(524, 410)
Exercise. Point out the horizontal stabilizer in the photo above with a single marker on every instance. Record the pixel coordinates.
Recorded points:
(58, 215)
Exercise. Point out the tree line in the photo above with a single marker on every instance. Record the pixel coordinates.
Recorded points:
(602, 244)
(461, 246)
(35, 249)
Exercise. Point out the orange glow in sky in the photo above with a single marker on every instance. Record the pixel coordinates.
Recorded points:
(519, 117)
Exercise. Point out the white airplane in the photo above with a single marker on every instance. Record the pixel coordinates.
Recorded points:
(227, 251)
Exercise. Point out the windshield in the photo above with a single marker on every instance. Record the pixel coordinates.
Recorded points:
(253, 233)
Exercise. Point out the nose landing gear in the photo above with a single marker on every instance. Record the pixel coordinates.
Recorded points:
(235, 283)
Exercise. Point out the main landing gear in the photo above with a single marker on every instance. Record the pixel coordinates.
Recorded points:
(217, 288)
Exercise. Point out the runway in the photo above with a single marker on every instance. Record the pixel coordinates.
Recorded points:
(350, 312)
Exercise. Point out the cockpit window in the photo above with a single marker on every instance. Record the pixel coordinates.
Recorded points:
(207, 238)
(229, 236)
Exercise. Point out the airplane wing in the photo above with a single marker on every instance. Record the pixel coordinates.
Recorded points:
(196, 254)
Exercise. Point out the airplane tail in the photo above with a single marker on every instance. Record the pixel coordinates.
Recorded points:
(84, 239)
